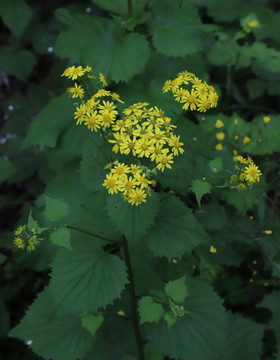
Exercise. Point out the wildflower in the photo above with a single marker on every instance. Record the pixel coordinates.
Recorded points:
(246, 140)
(19, 230)
(80, 114)
(190, 100)
(107, 118)
(111, 183)
(137, 196)
(116, 97)
(266, 119)
(164, 161)
(19, 243)
(128, 184)
(240, 187)
(220, 136)
(252, 173)
(76, 92)
(219, 124)
(120, 170)
(92, 121)
(73, 72)
(117, 141)
(176, 145)
(268, 232)
(213, 249)
(102, 79)
(121, 313)
(219, 147)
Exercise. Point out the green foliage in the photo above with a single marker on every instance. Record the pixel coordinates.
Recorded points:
(176, 230)
(191, 273)
(149, 310)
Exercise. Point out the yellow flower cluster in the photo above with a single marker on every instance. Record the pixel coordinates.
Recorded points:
(146, 133)
(129, 180)
(25, 239)
(192, 92)
(246, 173)
(74, 72)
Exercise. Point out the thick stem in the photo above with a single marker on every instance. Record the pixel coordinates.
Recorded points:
(133, 302)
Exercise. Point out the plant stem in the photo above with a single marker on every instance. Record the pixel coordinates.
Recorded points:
(129, 9)
(133, 302)
(90, 233)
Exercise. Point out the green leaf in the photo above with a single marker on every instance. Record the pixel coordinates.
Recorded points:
(132, 221)
(18, 63)
(177, 28)
(200, 188)
(244, 338)
(177, 289)
(15, 14)
(87, 278)
(176, 230)
(200, 333)
(170, 319)
(61, 237)
(271, 301)
(92, 322)
(216, 165)
(149, 310)
(50, 334)
(96, 155)
(223, 52)
(50, 122)
(120, 59)
(151, 352)
(31, 223)
(56, 209)
(2, 258)
(7, 169)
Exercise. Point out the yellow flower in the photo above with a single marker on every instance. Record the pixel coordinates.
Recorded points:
(219, 124)
(120, 170)
(190, 100)
(268, 232)
(111, 183)
(92, 121)
(266, 119)
(220, 136)
(19, 243)
(73, 72)
(76, 92)
(213, 249)
(80, 114)
(176, 145)
(246, 140)
(19, 230)
(164, 161)
(252, 173)
(240, 187)
(102, 79)
(219, 147)
(137, 196)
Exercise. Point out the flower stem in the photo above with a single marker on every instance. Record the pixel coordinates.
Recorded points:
(133, 301)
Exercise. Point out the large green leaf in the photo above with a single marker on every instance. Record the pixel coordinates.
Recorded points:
(112, 51)
(244, 338)
(177, 28)
(15, 15)
(132, 221)
(61, 237)
(51, 335)
(176, 230)
(272, 301)
(177, 289)
(200, 333)
(50, 122)
(86, 278)
(18, 63)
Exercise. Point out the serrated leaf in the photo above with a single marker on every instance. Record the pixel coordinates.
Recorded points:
(132, 221)
(56, 209)
(87, 278)
(149, 310)
(170, 319)
(115, 44)
(177, 289)
(244, 338)
(50, 122)
(15, 15)
(61, 237)
(173, 23)
(18, 63)
(200, 188)
(200, 333)
(176, 230)
(52, 335)
(92, 322)
(7, 169)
